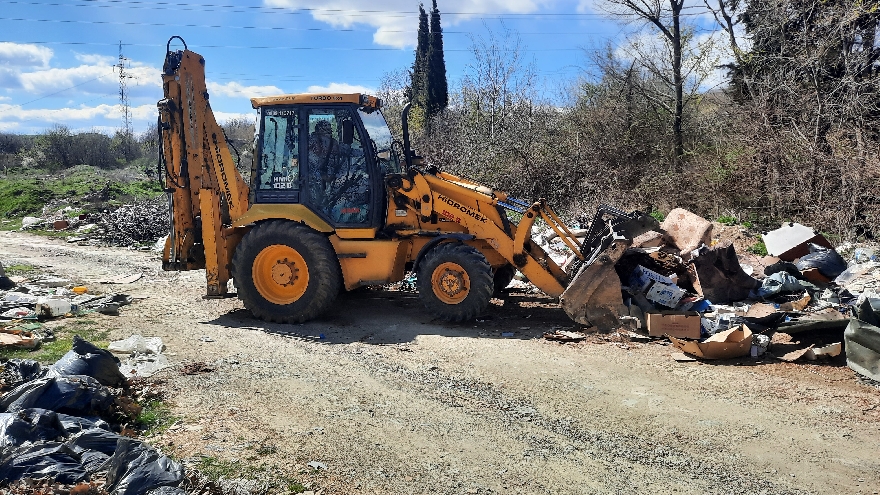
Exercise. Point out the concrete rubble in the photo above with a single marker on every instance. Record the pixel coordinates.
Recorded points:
(674, 280)
(139, 224)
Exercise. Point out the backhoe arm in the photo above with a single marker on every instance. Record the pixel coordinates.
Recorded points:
(205, 190)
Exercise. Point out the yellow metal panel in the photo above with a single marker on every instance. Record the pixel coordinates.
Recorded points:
(370, 262)
(356, 233)
(314, 99)
(297, 213)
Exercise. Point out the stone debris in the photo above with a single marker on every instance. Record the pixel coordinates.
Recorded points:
(139, 224)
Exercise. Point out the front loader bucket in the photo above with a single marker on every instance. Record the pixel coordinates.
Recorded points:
(594, 297)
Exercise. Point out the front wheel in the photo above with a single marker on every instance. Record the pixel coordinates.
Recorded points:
(286, 272)
(455, 282)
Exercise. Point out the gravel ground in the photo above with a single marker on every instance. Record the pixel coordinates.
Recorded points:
(391, 401)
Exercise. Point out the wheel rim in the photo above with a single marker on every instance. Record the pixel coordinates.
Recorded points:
(280, 274)
(450, 283)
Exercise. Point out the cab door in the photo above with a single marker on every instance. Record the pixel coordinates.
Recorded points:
(340, 167)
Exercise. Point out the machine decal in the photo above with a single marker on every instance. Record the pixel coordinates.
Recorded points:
(226, 190)
(326, 98)
(458, 206)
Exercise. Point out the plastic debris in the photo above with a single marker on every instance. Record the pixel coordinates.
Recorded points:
(135, 468)
(137, 344)
(87, 359)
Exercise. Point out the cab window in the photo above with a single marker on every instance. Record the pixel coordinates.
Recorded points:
(339, 179)
(279, 156)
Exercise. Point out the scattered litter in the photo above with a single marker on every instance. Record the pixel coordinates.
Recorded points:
(137, 344)
(317, 465)
(205, 338)
(565, 336)
(122, 279)
(733, 343)
(507, 334)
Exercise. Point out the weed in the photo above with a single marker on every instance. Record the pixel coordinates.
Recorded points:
(215, 470)
(727, 220)
(20, 269)
(748, 224)
(155, 417)
(758, 248)
(658, 215)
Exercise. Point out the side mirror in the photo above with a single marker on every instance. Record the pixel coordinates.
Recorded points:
(347, 131)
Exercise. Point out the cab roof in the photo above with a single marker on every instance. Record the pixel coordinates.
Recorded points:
(316, 99)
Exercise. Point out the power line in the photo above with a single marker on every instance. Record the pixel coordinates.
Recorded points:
(259, 28)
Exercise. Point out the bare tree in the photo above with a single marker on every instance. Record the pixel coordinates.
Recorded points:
(665, 16)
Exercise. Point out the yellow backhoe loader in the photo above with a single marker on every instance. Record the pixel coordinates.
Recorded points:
(335, 202)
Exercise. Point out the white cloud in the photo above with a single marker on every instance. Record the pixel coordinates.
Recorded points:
(223, 117)
(236, 90)
(95, 59)
(396, 21)
(340, 88)
(24, 55)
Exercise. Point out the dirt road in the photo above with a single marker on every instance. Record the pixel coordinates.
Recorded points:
(392, 402)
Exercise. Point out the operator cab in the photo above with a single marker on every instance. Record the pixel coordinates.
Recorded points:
(329, 152)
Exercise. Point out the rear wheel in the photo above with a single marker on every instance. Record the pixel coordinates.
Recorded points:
(455, 282)
(286, 272)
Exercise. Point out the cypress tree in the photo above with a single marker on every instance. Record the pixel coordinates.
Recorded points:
(419, 72)
(438, 90)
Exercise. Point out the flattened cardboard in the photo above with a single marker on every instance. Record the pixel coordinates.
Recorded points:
(684, 325)
(736, 342)
(642, 278)
(791, 241)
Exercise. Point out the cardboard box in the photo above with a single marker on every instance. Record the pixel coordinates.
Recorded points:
(685, 325)
(665, 294)
(736, 342)
(642, 278)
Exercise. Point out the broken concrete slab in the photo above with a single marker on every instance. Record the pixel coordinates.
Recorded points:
(687, 230)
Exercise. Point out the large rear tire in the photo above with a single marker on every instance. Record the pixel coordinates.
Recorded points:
(286, 272)
(455, 282)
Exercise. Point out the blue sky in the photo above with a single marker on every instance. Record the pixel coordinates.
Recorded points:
(57, 57)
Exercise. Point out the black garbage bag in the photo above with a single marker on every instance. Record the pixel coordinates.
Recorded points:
(77, 395)
(166, 490)
(136, 468)
(46, 459)
(75, 424)
(29, 425)
(17, 371)
(87, 359)
(784, 266)
(94, 462)
(94, 440)
(827, 261)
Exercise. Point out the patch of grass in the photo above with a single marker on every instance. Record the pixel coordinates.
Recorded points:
(49, 352)
(658, 215)
(20, 269)
(155, 417)
(727, 220)
(26, 194)
(216, 469)
(758, 248)
(748, 224)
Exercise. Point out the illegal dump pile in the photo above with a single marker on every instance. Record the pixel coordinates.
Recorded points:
(138, 224)
(671, 280)
(24, 304)
(66, 423)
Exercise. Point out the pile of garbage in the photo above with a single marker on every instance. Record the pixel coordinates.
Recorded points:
(24, 304)
(672, 280)
(62, 423)
(138, 224)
